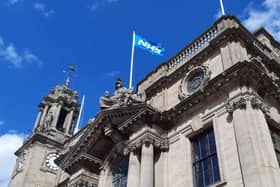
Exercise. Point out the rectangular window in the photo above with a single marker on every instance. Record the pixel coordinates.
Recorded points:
(275, 136)
(205, 161)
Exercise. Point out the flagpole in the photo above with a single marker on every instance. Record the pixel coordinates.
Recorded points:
(80, 113)
(222, 7)
(131, 60)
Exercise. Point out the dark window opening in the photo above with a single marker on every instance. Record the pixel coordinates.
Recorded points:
(275, 136)
(61, 120)
(205, 161)
(120, 174)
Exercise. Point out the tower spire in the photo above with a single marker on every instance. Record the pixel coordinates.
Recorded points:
(70, 71)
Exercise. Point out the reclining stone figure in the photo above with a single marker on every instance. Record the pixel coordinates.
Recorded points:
(122, 97)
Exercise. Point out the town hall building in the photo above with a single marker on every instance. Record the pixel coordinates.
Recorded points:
(209, 116)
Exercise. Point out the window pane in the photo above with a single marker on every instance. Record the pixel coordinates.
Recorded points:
(203, 144)
(196, 177)
(211, 171)
(216, 168)
(200, 175)
(212, 143)
(206, 172)
(196, 151)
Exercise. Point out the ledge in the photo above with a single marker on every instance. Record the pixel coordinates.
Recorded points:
(219, 184)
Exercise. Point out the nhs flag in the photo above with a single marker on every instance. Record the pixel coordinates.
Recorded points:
(153, 48)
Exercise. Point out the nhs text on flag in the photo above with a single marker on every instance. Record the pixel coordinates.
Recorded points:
(155, 49)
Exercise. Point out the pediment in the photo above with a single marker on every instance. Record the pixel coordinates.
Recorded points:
(109, 128)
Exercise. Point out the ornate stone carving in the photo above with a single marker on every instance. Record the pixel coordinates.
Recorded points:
(122, 97)
(256, 103)
(230, 107)
(241, 101)
(148, 138)
(196, 78)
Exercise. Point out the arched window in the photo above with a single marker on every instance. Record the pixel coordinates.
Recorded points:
(120, 174)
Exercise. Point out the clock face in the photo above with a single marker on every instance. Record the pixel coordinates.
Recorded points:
(195, 81)
(50, 161)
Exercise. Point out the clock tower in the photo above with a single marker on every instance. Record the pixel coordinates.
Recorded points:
(54, 125)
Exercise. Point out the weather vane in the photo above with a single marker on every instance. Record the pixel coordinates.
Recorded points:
(70, 72)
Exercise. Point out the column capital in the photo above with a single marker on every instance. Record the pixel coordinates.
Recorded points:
(159, 142)
(241, 102)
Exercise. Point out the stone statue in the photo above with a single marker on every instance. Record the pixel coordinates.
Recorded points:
(105, 101)
(122, 97)
(48, 121)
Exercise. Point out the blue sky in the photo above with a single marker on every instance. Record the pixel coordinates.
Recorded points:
(40, 38)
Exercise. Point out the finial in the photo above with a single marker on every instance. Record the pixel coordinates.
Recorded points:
(69, 72)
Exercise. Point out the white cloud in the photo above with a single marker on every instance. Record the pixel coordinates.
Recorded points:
(31, 58)
(268, 16)
(9, 144)
(113, 74)
(112, 1)
(100, 3)
(14, 2)
(42, 9)
(94, 6)
(10, 54)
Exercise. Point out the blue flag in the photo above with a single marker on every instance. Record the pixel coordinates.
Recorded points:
(154, 48)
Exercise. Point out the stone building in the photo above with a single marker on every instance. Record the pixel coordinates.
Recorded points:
(207, 117)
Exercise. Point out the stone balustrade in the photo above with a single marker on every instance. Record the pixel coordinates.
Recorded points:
(193, 47)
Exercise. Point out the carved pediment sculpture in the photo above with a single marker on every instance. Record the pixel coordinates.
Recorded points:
(122, 97)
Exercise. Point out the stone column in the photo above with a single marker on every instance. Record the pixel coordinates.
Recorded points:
(57, 113)
(133, 170)
(108, 178)
(44, 114)
(259, 165)
(37, 122)
(101, 178)
(68, 125)
(227, 152)
(161, 170)
(147, 165)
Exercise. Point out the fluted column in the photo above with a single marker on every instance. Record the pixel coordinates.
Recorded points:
(44, 114)
(255, 148)
(133, 170)
(147, 165)
(37, 122)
